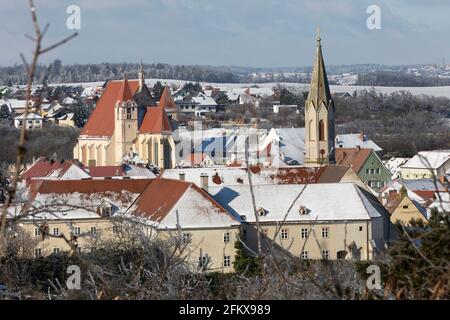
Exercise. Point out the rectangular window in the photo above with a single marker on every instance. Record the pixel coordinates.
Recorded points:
(264, 233)
(56, 232)
(304, 232)
(325, 232)
(203, 261)
(360, 228)
(77, 231)
(284, 233)
(38, 252)
(226, 261)
(325, 254)
(155, 153)
(405, 207)
(186, 238)
(79, 249)
(372, 171)
(115, 229)
(226, 237)
(55, 250)
(304, 255)
(37, 232)
(377, 171)
(93, 230)
(367, 171)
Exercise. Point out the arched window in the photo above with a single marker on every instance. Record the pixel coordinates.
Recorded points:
(321, 130)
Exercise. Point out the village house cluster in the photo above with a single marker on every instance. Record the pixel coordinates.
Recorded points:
(318, 195)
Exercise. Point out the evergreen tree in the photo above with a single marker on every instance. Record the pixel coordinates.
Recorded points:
(5, 113)
(244, 263)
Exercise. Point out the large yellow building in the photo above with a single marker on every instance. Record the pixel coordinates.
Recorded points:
(126, 121)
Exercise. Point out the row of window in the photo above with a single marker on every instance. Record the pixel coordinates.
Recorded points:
(204, 260)
(304, 232)
(76, 231)
(325, 255)
(186, 237)
(373, 171)
(38, 251)
(376, 184)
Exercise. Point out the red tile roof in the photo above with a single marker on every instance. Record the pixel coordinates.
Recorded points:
(352, 157)
(90, 186)
(166, 99)
(155, 121)
(168, 193)
(124, 91)
(101, 121)
(106, 171)
(43, 167)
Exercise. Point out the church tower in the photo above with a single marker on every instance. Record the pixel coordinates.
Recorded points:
(319, 115)
(125, 121)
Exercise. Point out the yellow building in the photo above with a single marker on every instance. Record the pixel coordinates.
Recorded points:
(127, 121)
(426, 165)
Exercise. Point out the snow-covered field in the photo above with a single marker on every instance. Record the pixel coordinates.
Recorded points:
(432, 91)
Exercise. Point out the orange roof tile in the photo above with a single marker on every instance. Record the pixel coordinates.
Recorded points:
(90, 186)
(166, 99)
(354, 157)
(155, 121)
(101, 121)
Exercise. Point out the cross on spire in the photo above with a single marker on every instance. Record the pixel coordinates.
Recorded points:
(318, 36)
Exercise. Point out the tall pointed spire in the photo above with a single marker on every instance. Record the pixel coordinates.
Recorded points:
(141, 77)
(125, 91)
(319, 90)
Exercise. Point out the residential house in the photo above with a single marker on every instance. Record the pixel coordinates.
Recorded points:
(367, 165)
(32, 121)
(426, 165)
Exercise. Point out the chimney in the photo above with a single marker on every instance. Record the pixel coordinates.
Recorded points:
(358, 147)
(204, 181)
(362, 136)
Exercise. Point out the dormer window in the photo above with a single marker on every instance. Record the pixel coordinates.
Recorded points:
(303, 210)
(262, 212)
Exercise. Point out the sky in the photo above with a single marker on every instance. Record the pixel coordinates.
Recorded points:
(251, 33)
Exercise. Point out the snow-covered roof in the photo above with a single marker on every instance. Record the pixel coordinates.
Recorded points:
(30, 116)
(179, 203)
(203, 100)
(324, 202)
(69, 100)
(428, 160)
(292, 144)
(441, 204)
(393, 165)
(353, 140)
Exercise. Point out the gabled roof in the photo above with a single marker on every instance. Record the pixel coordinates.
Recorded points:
(91, 186)
(101, 121)
(428, 160)
(352, 157)
(166, 99)
(167, 203)
(43, 168)
(155, 121)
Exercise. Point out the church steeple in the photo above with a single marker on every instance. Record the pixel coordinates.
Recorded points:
(319, 90)
(141, 77)
(319, 114)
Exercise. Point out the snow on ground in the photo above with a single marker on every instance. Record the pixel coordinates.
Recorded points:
(432, 91)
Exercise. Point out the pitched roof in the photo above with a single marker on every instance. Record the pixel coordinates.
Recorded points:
(43, 168)
(166, 99)
(101, 121)
(155, 121)
(352, 157)
(428, 159)
(90, 186)
(106, 171)
(168, 203)
(124, 93)
(319, 90)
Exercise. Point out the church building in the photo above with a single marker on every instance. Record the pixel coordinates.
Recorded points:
(127, 124)
(319, 115)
